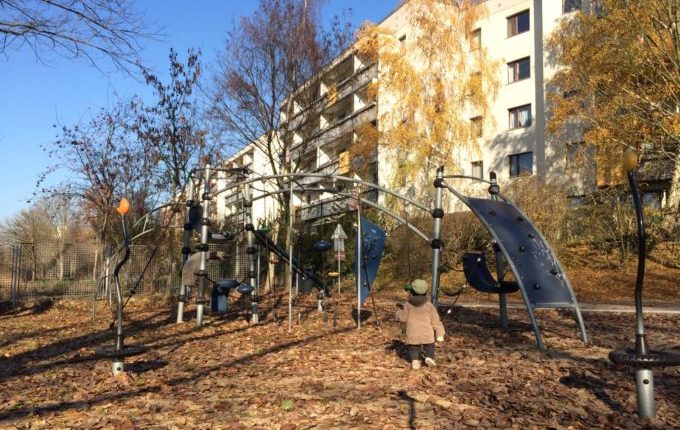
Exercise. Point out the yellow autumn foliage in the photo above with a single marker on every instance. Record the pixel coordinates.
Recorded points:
(619, 79)
(429, 87)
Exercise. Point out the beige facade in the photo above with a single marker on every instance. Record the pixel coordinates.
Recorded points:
(513, 142)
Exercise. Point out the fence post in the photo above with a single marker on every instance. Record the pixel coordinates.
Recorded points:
(16, 256)
(107, 285)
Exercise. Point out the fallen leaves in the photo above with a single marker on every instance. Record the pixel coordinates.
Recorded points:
(229, 375)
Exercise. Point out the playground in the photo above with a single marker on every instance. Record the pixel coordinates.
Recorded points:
(226, 352)
(232, 375)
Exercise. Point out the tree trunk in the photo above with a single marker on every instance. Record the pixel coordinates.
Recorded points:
(674, 194)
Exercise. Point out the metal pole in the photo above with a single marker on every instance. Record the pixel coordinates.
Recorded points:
(202, 275)
(107, 281)
(118, 365)
(359, 244)
(436, 244)
(494, 190)
(16, 250)
(259, 257)
(251, 250)
(186, 249)
(290, 254)
(502, 299)
(644, 378)
(339, 276)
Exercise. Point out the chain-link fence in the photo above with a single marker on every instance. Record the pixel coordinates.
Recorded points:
(51, 270)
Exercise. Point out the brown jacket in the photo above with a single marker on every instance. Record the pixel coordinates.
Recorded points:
(422, 321)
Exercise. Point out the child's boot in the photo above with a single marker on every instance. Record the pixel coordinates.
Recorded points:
(415, 364)
(430, 362)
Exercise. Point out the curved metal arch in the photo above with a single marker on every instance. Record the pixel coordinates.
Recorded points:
(321, 176)
(348, 195)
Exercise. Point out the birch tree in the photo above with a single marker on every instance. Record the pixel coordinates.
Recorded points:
(431, 83)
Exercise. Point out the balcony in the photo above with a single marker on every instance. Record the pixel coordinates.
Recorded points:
(345, 88)
(330, 168)
(329, 207)
(366, 114)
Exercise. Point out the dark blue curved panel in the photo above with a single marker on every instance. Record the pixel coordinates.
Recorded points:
(372, 247)
(534, 264)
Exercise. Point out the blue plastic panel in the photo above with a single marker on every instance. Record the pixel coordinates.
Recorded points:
(372, 247)
(534, 264)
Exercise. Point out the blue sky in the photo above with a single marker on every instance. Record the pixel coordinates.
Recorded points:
(34, 96)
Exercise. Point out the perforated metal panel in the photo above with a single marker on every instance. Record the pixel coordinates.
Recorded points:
(532, 260)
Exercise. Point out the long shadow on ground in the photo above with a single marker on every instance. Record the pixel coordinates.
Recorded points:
(61, 406)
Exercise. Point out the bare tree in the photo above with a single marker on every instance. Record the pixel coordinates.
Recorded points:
(261, 93)
(89, 29)
(170, 128)
(103, 162)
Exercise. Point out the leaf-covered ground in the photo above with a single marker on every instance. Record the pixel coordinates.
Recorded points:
(229, 374)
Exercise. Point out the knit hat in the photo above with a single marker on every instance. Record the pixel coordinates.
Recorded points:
(419, 286)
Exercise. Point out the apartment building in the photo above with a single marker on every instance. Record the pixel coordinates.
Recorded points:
(512, 143)
(229, 208)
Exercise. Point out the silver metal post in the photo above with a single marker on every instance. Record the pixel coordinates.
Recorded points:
(494, 190)
(202, 274)
(644, 382)
(182, 298)
(339, 276)
(290, 255)
(437, 215)
(359, 244)
(251, 250)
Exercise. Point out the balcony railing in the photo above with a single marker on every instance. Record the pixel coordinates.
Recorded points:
(330, 168)
(348, 86)
(331, 206)
(366, 114)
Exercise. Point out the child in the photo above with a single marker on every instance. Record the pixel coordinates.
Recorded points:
(422, 322)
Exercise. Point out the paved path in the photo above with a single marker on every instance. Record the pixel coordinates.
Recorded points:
(670, 309)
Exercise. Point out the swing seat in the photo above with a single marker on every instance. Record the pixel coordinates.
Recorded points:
(322, 246)
(479, 277)
(245, 289)
(224, 285)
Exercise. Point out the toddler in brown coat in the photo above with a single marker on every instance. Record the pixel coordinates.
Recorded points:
(422, 323)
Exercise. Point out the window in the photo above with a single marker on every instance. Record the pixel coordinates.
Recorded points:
(518, 70)
(520, 116)
(521, 164)
(475, 85)
(571, 5)
(576, 153)
(402, 40)
(476, 129)
(476, 39)
(518, 23)
(478, 169)
(652, 199)
(576, 201)
(569, 94)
